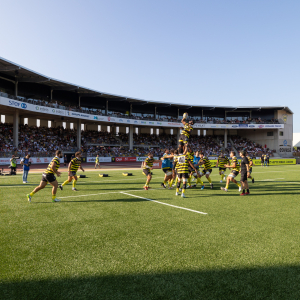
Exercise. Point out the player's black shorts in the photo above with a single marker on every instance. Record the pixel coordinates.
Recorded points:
(222, 169)
(191, 169)
(207, 170)
(167, 170)
(183, 175)
(183, 139)
(147, 172)
(73, 173)
(250, 170)
(244, 176)
(48, 177)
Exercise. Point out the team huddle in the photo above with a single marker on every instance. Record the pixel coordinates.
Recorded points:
(179, 166)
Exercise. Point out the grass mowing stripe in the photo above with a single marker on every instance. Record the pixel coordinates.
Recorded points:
(184, 208)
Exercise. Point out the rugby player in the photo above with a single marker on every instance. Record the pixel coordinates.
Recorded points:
(250, 167)
(74, 165)
(183, 164)
(49, 176)
(235, 166)
(167, 167)
(207, 168)
(97, 162)
(190, 155)
(197, 167)
(185, 133)
(244, 173)
(222, 161)
(147, 167)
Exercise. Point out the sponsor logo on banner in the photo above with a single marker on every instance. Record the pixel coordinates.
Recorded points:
(222, 126)
(23, 105)
(136, 122)
(108, 119)
(243, 125)
(269, 126)
(252, 126)
(142, 158)
(101, 159)
(278, 126)
(261, 126)
(159, 123)
(58, 112)
(174, 124)
(14, 103)
(234, 126)
(95, 118)
(157, 164)
(128, 159)
(42, 108)
(152, 123)
(285, 143)
(75, 114)
(143, 122)
(121, 120)
(128, 121)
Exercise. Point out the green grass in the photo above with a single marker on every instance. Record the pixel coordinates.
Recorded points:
(103, 244)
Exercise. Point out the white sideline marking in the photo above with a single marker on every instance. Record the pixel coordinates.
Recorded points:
(196, 211)
(273, 179)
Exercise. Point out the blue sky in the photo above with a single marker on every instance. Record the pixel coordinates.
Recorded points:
(197, 52)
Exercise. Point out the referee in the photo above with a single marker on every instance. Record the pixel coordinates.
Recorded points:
(245, 173)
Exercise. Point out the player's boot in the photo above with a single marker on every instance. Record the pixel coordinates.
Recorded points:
(224, 189)
(162, 185)
(202, 187)
(242, 194)
(240, 189)
(56, 200)
(183, 195)
(252, 180)
(176, 194)
(61, 187)
(74, 189)
(211, 186)
(29, 198)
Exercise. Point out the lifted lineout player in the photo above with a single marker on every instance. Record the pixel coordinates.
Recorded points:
(74, 165)
(235, 166)
(185, 132)
(48, 176)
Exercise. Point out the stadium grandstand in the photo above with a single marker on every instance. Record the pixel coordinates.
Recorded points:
(40, 115)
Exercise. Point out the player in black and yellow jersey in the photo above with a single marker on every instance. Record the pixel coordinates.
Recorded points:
(207, 168)
(174, 168)
(185, 133)
(182, 164)
(166, 166)
(147, 167)
(250, 167)
(235, 168)
(190, 156)
(222, 161)
(74, 165)
(49, 176)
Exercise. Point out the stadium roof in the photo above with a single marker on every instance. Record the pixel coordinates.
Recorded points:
(14, 72)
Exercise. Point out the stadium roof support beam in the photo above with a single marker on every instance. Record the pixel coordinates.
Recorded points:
(79, 134)
(16, 129)
(16, 88)
(9, 68)
(66, 88)
(130, 137)
(33, 79)
(106, 107)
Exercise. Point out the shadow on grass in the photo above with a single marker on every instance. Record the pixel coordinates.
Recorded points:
(256, 283)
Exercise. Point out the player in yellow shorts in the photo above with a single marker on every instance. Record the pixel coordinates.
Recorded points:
(147, 167)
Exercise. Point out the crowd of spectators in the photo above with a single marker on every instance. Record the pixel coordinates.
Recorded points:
(43, 141)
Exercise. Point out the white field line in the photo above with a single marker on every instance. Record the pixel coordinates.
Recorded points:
(273, 179)
(196, 211)
(77, 196)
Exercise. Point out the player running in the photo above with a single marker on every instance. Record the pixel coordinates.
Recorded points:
(207, 168)
(245, 173)
(183, 164)
(74, 165)
(235, 166)
(147, 167)
(222, 161)
(49, 176)
(167, 168)
(197, 173)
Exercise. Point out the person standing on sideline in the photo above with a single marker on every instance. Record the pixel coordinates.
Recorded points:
(26, 167)
(245, 173)
(97, 162)
(13, 165)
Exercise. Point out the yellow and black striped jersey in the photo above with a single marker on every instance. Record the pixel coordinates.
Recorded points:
(175, 163)
(182, 164)
(250, 162)
(207, 164)
(187, 128)
(234, 160)
(148, 163)
(49, 168)
(222, 161)
(75, 164)
(190, 156)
